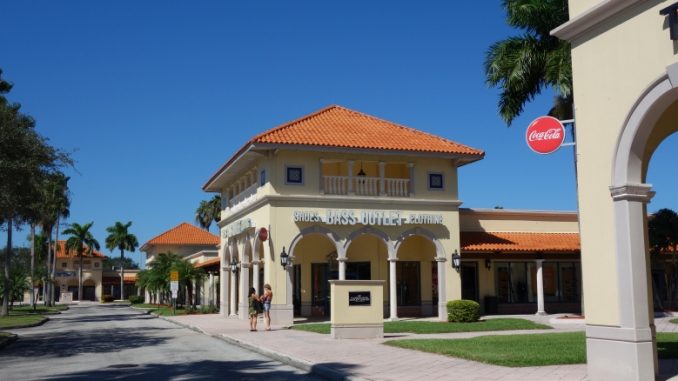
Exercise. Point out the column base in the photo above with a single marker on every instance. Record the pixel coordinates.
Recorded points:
(541, 313)
(615, 353)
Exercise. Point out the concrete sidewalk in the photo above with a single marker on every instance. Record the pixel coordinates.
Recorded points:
(369, 359)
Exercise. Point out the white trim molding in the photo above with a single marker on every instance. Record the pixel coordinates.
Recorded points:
(581, 24)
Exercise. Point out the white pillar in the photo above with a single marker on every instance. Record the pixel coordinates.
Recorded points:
(244, 289)
(350, 177)
(393, 295)
(442, 291)
(342, 268)
(255, 276)
(382, 184)
(410, 184)
(540, 287)
(233, 295)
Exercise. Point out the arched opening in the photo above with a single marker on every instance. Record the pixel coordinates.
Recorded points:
(416, 277)
(315, 263)
(650, 122)
(88, 290)
(367, 259)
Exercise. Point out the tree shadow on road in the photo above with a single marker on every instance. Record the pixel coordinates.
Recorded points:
(200, 370)
(72, 343)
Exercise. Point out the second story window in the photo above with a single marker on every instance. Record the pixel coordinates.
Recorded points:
(435, 181)
(262, 177)
(64, 264)
(294, 175)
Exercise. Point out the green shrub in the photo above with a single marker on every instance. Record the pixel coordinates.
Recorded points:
(107, 298)
(211, 309)
(136, 299)
(463, 311)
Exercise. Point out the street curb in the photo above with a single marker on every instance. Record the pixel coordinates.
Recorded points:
(8, 340)
(319, 370)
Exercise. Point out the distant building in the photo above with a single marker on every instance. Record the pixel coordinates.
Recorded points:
(193, 244)
(66, 276)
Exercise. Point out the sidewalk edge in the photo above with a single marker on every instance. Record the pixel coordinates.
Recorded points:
(319, 370)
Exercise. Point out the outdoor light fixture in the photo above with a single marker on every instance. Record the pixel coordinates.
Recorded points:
(361, 173)
(234, 266)
(284, 258)
(488, 263)
(456, 260)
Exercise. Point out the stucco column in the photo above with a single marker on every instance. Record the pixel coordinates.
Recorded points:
(342, 268)
(233, 295)
(442, 292)
(631, 346)
(244, 289)
(540, 287)
(410, 185)
(392, 292)
(382, 183)
(255, 276)
(350, 177)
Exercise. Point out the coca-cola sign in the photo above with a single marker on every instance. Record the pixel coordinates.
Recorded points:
(545, 135)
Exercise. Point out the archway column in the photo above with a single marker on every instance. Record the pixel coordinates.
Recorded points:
(244, 288)
(442, 291)
(627, 351)
(255, 276)
(342, 267)
(392, 292)
(224, 268)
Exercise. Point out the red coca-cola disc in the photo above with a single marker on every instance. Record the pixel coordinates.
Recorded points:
(263, 234)
(545, 135)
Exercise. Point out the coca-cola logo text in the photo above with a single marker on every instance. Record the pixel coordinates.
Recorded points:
(545, 135)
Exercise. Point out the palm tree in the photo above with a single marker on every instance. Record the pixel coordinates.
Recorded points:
(119, 237)
(523, 66)
(81, 241)
(208, 211)
(55, 205)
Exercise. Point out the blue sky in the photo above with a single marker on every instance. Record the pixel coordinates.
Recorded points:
(152, 97)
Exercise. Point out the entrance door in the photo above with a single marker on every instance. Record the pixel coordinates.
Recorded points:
(408, 287)
(469, 281)
(296, 294)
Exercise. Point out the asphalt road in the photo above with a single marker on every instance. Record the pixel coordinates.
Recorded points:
(108, 342)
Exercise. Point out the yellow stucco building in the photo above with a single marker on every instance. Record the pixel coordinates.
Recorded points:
(345, 195)
(625, 71)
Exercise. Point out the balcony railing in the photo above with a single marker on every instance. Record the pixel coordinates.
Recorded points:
(366, 186)
(243, 198)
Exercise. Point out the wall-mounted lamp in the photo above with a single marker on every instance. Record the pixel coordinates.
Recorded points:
(456, 260)
(284, 258)
(234, 266)
(488, 263)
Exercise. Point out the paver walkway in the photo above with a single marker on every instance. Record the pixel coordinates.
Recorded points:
(369, 359)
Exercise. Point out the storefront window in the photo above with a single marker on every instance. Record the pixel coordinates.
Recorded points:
(561, 282)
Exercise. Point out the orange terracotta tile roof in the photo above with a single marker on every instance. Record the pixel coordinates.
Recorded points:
(61, 252)
(184, 234)
(131, 278)
(337, 126)
(209, 262)
(519, 242)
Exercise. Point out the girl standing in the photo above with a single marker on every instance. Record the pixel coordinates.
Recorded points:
(266, 300)
(253, 309)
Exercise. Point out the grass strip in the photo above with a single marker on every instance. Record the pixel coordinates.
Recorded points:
(524, 350)
(22, 310)
(15, 321)
(429, 327)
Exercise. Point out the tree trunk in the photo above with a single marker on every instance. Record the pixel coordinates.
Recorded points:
(33, 266)
(80, 278)
(52, 274)
(46, 285)
(5, 293)
(122, 274)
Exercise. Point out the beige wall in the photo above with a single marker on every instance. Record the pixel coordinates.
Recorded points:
(501, 220)
(612, 65)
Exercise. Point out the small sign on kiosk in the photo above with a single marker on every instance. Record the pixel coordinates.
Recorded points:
(357, 310)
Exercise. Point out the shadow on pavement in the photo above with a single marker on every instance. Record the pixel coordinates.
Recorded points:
(72, 343)
(201, 370)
